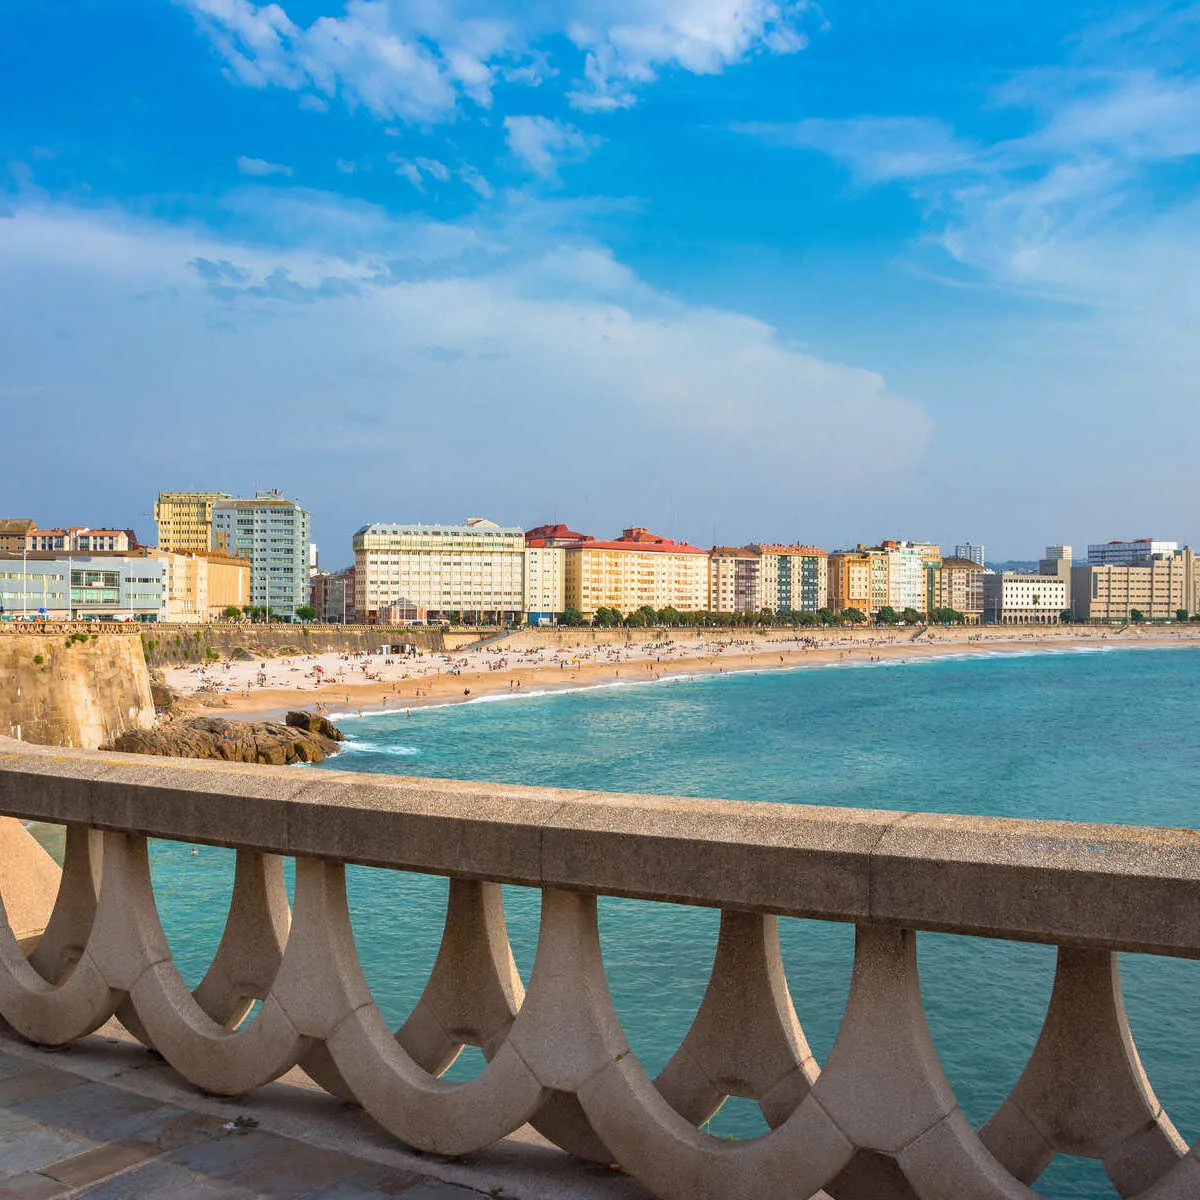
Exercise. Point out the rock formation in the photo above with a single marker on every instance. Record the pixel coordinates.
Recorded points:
(303, 737)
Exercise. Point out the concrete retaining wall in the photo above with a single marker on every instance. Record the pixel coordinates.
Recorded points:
(175, 645)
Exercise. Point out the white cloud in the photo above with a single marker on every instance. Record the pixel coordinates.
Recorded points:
(416, 61)
(541, 143)
(260, 166)
(628, 42)
(727, 415)
(417, 170)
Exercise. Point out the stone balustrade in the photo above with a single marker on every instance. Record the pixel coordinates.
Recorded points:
(878, 1120)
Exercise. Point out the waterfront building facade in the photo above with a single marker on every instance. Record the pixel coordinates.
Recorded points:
(735, 579)
(185, 521)
(794, 578)
(958, 584)
(970, 550)
(200, 587)
(1155, 590)
(106, 587)
(273, 533)
(909, 569)
(855, 580)
(1013, 598)
(1128, 554)
(636, 570)
(331, 593)
(473, 572)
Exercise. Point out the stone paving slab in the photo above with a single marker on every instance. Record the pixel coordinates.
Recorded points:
(108, 1120)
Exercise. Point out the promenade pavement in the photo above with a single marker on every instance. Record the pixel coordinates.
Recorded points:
(107, 1120)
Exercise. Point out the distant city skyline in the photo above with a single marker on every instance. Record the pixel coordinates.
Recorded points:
(731, 271)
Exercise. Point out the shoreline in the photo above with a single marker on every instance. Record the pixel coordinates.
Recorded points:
(455, 678)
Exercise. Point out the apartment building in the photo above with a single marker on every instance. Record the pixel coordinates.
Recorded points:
(63, 586)
(1157, 588)
(1128, 554)
(735, 579)
(794, 578)
(331, 593)
(970, 550)
(200, 587)
(273, 532)
(910, 566)
(13, 534)
(185, 521)
(1013, 598)
(639, 568)
(857, 579)
(958, 584)
(474, 571)
(79, 539)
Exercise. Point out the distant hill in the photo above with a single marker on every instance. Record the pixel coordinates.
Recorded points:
(1015, 564)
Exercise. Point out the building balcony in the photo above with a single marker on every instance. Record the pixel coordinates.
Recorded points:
(878, 1121)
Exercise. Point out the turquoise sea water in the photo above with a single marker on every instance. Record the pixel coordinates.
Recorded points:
(1100, 735)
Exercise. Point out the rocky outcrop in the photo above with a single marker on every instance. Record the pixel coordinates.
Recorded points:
(304, 738)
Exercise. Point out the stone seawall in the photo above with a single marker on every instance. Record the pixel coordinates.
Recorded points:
(177, 645)
(72, 685)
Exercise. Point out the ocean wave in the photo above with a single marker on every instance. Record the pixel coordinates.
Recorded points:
(371, 748)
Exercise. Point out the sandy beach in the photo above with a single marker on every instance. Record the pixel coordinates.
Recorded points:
(536, 661)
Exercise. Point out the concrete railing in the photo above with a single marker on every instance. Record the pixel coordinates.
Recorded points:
(877, 1120)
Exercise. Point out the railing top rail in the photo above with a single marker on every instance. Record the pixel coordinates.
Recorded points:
(1106, 886)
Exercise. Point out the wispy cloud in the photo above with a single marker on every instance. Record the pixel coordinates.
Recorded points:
(876, 149)
(531, 335)
(541, 143)
(260, 166)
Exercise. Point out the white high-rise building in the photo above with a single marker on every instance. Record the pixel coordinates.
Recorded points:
(1128, 554)
(970, 550)
(473, 572)
(274, 534)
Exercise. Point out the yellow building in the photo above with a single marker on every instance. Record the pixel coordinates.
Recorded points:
(199, 587)
(794, 578)
(185, 521)
(858, 579)
(639, 568)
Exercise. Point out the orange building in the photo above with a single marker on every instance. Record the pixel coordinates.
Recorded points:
(638, 568)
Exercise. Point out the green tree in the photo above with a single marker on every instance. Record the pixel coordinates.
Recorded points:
(306, 612)
(887, 616)
(669, 616)
(1181, 614)
(232, 612)
(1067, 616)
(570, 616)
(1136, 616)
(910, 616)
(855, 616)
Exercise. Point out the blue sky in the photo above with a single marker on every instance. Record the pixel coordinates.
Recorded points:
(733, 268)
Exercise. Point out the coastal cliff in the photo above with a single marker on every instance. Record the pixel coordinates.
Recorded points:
(72, 685)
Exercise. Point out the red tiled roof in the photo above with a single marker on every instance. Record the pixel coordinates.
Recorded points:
(638, 538)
